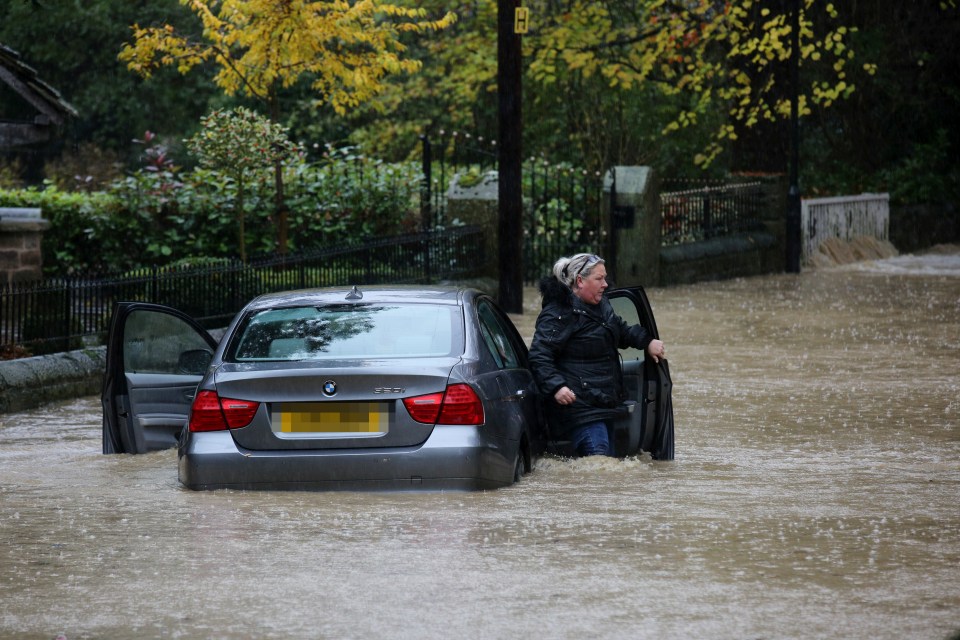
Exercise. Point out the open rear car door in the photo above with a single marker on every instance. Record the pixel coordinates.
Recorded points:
(649, 425)
(156, 357)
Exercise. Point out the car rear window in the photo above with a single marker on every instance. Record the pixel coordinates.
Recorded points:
(349, 331)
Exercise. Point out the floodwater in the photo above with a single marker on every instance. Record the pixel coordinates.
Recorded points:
(815, 495)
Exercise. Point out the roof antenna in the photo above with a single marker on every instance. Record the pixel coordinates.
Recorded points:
(354, 294)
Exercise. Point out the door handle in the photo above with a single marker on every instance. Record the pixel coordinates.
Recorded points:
(516, 397)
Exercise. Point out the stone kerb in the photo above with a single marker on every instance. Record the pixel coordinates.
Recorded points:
(31, 382)
(21, 232)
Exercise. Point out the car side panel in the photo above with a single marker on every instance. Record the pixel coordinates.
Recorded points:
(500, 348)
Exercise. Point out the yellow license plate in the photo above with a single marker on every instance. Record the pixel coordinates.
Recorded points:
(331, 417)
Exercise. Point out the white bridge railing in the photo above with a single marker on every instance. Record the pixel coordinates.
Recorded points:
(845, 217)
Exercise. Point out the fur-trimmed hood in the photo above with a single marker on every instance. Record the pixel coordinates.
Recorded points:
(555, 292)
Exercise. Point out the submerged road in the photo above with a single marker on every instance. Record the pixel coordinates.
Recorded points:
(814, 495)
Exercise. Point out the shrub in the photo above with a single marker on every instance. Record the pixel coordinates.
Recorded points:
(159, 215)
(84, 229)
(928, 175)
(88, 168)
(242, 144)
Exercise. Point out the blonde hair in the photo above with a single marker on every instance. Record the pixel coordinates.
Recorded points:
(566, 269)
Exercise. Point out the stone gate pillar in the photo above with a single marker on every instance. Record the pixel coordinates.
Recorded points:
(476, 202)
(21, 231)
(634, 225)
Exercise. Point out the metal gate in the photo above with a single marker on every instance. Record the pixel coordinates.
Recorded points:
(563, 206)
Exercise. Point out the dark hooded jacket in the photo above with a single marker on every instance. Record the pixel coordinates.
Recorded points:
(575, 345)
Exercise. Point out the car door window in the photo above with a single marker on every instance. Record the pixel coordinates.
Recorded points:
(154, 342)
(626, 309)
(496, 338)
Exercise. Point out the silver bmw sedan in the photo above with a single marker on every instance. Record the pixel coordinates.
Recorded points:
(347, 388)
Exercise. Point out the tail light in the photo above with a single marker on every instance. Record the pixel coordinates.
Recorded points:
(210, 412)
(459, 404)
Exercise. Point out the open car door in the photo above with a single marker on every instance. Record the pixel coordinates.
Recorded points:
(649, 426)
(156, 357)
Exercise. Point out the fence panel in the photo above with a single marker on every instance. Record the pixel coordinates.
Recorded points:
(562, 205)
(57, 315)
(450, 154)
(693, 215)
(844, 218)
(562, 215)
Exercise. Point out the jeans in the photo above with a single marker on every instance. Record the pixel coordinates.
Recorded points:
(592, 439)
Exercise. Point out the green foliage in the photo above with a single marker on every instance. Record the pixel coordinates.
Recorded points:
(620, 82)
(345, 49)
(84, 229)
(899, 133)
(160, 215)
(470, 177)
(10, 174)
(885, 135)
(554, 215)
(930, 174)
(347, 196)
(241, 143)
(73, 46)
(86, 168)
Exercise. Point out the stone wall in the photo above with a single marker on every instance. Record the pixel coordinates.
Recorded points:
(635, 245)
(736, 256)
(31, 382)
(478, 204)
(641, 260)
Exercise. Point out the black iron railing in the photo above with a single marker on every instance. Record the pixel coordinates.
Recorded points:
(699, 214)
(58, 314)
(562, 205)
(563, 209)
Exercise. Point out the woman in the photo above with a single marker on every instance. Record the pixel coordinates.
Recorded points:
(574, 354)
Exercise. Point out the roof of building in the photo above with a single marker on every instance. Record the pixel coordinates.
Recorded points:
(52, 109)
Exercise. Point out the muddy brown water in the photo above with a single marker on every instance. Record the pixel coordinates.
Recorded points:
(815, 495)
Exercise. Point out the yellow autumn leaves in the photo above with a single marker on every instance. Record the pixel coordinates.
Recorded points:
(347, 48)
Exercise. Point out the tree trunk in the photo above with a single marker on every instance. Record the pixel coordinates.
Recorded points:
(241, 223)
(280, 207)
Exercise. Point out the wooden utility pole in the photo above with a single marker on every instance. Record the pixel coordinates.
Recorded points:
(511, 22)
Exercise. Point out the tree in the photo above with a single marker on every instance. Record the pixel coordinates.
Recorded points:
(607, 78)
(726, 56)
(240, 143)
(259, 47)
(114, 105)
(455, 89)
(905, 113)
